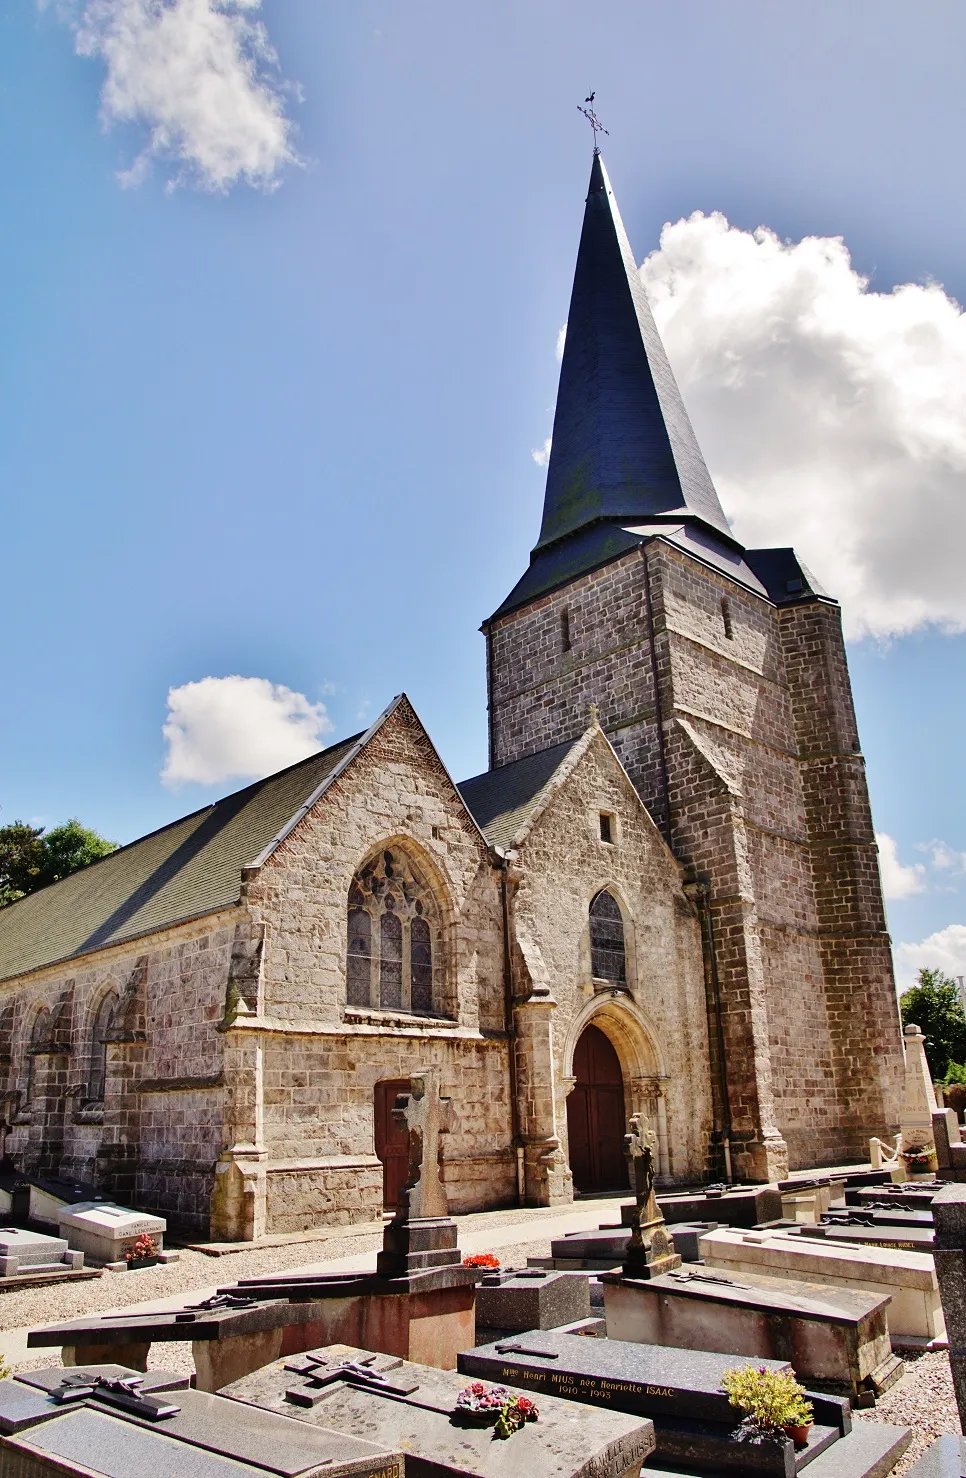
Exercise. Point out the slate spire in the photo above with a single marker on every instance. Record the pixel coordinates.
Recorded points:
(623, 447)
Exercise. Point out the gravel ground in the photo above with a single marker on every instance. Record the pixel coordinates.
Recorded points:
(923, 1400)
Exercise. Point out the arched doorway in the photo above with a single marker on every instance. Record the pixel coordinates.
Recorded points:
(392, 1141)
(595, 1115)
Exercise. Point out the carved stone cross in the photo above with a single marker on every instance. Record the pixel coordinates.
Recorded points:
(425, 1116)
(650, 1250)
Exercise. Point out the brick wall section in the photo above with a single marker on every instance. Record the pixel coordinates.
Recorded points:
(767, 799)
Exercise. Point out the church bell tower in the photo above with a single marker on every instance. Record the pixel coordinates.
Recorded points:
(721, 680)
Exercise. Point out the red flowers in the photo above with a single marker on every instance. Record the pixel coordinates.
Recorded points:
(481, 1260)
(143, 1247)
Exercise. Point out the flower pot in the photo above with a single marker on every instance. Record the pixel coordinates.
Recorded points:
(798, 1432)
(142, 1262)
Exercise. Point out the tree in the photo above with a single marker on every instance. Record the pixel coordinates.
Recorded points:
(31, 857)
(934, 1005)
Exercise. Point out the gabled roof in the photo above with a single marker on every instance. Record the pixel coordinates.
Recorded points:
(623, 445)
(187, 869)
(504, 801)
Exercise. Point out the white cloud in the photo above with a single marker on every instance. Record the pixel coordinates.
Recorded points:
(944, 951)
(224, 728)
(200, 76)
(898, 879)
(541, 454)
(832, 417)
(943, 857)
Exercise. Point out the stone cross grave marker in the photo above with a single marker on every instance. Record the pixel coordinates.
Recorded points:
(425, 1116)
(650, 1250)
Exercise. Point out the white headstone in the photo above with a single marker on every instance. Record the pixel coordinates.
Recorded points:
(919, 1098)
(104, 1232)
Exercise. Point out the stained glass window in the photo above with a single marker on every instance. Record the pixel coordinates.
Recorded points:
(608, 961)
(359, 957)
(421, 965)
(390, 959)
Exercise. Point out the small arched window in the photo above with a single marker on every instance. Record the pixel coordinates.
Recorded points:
(97, 1078)
(607, 952)
(394, 944)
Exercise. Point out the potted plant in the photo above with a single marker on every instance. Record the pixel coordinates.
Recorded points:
(772, 1402)
(481, 1260)
(144, 1252)
(483, 1404)
(920, 1161)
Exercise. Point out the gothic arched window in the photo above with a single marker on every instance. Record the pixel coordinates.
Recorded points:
(97, 1077)
(394, 944)
(607, 953)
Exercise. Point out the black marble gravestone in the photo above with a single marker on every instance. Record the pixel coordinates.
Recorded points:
(695, 1425)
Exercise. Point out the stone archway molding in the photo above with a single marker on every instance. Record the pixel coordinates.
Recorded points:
(634, 1040)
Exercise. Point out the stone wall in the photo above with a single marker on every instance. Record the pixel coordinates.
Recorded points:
(155, 1135)
(765, 797)
(658, 1025)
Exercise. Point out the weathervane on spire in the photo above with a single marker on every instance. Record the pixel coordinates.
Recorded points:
(593, 120)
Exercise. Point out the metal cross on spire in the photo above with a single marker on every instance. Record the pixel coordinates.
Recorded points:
(592, 119)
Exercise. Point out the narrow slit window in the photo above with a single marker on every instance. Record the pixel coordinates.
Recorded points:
(565, 630)
(726, 618)
(606, 827)
(97, 1081)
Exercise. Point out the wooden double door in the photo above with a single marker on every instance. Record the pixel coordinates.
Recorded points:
(595, 1116)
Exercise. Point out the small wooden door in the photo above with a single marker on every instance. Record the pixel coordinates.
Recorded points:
(595, 1116)
(392, 1145)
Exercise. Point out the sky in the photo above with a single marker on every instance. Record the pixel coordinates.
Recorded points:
(282, 288)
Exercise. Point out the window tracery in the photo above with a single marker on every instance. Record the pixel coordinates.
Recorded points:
(97, 1076)
(395, 948)
(608, 953)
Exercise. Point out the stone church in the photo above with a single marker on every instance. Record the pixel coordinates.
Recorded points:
(662, 896)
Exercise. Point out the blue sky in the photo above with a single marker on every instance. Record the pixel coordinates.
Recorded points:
(275, 417)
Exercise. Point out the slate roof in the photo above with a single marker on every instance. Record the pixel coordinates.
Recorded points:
(623, 445)
(502, 801)
(187, 869)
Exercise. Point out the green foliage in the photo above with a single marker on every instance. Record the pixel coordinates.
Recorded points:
(31, 857)
(934, 1005)
(955, 1073)
(769, 1398)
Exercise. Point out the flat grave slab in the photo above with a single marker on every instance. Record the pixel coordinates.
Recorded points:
(944, 1458)
(915, 1196)
(907, 1239)
(731, 1207)
(890, 1216)
(514, 1299)
(908, 1278)
(25, 1399)
(411, 1407)
(30, 1252)
(836, 1338)
(680, 1390)
(229, 1335)
(116, 1433)
(604, 1248)
(687, 1234)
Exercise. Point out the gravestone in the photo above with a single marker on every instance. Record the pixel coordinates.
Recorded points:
(836, 1338)
(727, 1205)
(25, 1399)
(686, 1235)
(104, 1232)
(918, 1099)
(950, 1150)
(695, 1425)
(914, 1197)
(889, 1216)
(30, 1253)
(419, 1302)
(949, 1209)
(908, 1239)
(908, 1278)
(944, 1458)
(116, 1426)
(510, 1300)
(412, 1407)
(650, 1250)
(229, 1335)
